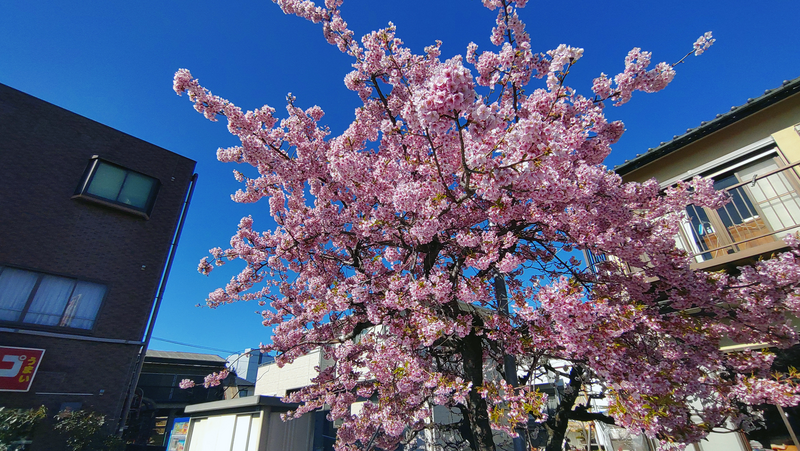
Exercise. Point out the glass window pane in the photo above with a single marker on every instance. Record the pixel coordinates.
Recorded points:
(15, 288)
(702, 232)
(770, 430)
(83, 306)
(49, 301)
(107, 181)
(136, 190)
(739, 208)
(775, 195)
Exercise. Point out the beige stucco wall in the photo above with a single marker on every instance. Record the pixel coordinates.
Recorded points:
(788, 140)
(777, 121)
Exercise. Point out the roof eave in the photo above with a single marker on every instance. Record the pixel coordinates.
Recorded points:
(770, 97)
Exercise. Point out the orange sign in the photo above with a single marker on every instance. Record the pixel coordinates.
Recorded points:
(18, 367)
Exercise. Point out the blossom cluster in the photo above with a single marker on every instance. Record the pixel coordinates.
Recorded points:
(211, 380)
(510, 408)
(703, 43)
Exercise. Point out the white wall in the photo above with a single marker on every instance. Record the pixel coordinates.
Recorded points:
(246, 363)
(230, 432)
(274, 381)
(251, 432)
(729, 441)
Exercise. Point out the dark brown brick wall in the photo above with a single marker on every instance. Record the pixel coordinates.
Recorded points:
(44, 151)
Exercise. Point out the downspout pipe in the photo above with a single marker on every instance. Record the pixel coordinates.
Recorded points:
(154, 314)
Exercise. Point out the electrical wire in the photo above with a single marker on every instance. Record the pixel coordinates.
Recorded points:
(194, 346)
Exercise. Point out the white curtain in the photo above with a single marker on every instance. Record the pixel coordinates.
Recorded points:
(50, 300)
(83, 306)
(15, 288)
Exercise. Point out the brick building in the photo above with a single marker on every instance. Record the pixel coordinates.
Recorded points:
(89, 218)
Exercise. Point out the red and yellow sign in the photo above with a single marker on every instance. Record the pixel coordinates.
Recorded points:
(18, 367)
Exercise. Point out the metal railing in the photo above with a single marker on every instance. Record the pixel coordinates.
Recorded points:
(760, 211)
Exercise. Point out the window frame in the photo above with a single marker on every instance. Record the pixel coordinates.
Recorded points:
(717, 170)
(723, 163)
(82, 191)
(40, 275)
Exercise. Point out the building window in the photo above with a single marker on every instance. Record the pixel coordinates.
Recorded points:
(46, 300)
(764, 206)
(114, 185)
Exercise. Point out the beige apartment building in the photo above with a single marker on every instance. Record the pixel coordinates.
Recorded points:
(752, 152)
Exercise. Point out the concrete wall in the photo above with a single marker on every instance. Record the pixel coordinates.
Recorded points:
(274, 381)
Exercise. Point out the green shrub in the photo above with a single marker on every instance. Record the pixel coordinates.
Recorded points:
(16, 426)
(82, 428)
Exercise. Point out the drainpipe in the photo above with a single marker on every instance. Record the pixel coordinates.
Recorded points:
(162, 286)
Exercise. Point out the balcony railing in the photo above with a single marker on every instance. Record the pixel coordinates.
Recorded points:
(760, 213)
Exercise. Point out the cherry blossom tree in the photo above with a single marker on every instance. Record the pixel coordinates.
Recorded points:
(435, 240)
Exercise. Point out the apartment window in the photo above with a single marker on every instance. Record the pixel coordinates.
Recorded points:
(764, 206)
(119, 187)
(47, 300)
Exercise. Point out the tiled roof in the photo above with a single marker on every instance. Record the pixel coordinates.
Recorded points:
(736, 113)
(184, 356)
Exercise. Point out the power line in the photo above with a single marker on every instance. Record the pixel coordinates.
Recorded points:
(193, 346)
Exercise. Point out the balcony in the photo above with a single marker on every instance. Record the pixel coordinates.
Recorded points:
(763, 209)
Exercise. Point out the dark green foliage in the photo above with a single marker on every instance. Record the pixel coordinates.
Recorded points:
(16, 426)
(83, 429)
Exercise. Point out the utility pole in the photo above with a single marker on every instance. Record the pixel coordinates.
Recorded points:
(509, 361)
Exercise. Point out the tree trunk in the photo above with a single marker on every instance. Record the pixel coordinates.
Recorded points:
(557, 425)
(476, 415)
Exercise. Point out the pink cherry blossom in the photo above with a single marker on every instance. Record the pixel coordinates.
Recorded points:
(703, 43)
(214, 379)
(464, 188)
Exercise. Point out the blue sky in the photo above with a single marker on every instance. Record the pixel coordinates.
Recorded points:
(113, 62)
